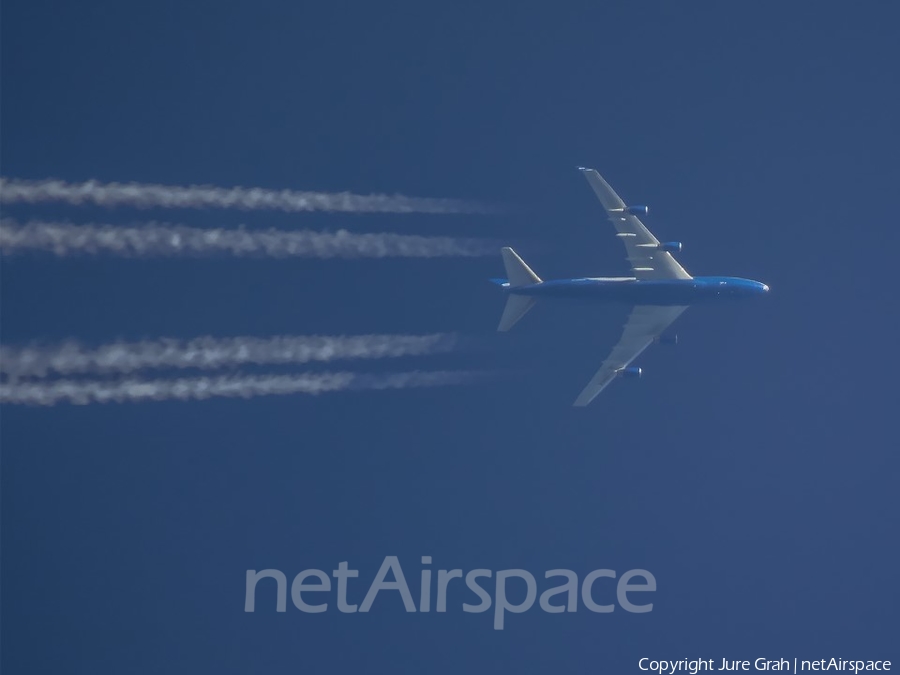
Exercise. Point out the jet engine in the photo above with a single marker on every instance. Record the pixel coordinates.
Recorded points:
(631, 371)
(637, 210)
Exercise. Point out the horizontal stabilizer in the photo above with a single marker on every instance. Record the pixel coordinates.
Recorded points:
(516, 308)
(518, 272)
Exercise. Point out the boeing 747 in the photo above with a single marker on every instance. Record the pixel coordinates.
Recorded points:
(659, 289)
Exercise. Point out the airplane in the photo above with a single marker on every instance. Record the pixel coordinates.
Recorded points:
(660, 289)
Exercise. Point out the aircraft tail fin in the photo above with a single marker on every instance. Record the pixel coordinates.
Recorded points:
(517, 271)
(519, 275)
(516, 308)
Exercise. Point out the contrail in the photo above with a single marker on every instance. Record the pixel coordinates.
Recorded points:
(162, 239)
(149, 195)
(80, 392)
(72, 357)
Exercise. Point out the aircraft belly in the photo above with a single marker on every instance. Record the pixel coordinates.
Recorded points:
(637, 293)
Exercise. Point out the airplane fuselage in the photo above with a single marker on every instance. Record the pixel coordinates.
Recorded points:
(659, 291)
(646, 292)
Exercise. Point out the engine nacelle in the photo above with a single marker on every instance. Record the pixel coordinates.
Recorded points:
(631, 371)
(637, 210)
(670, 339)
(670, 246)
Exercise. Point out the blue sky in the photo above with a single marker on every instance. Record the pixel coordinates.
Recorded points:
(752, 470)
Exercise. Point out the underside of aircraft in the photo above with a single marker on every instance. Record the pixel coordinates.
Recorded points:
(659, 290)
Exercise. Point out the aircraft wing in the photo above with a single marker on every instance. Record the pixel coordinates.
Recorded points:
(647, 262)
(644, 325)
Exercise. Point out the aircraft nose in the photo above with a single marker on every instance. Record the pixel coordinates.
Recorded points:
(765, 288)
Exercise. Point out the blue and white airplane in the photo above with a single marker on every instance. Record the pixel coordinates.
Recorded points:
(660, 289)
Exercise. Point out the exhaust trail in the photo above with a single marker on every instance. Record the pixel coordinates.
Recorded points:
(167, 240)
(150, 195)
(80, 392)
(72, 357)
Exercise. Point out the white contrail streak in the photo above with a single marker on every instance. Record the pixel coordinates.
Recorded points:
(80, 392)
(162, 239)
(144, 195)
(72, 357)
